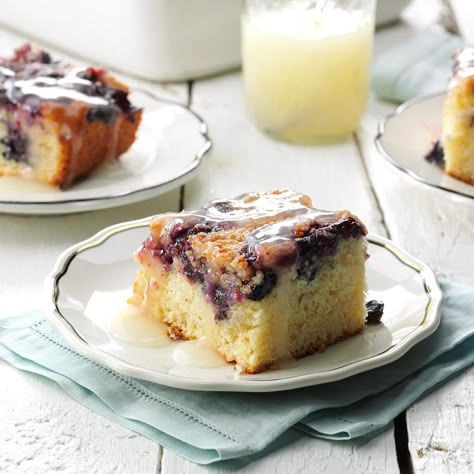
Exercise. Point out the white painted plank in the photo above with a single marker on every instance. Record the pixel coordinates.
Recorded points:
(308, 455)
(242, 160)
(86, 442)
(72, 438)
(43, 431)
(438, 229)
(441, 429)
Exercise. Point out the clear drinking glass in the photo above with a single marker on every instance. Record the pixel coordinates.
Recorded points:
(306, 66)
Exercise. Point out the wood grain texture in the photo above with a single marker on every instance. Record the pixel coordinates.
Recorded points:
(42, 430)
(441, 429)
(45, 430)
(437, 228)
(308, 455)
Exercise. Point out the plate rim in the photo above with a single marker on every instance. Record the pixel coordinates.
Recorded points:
(117, 198)
(429, 324)
(378, 140)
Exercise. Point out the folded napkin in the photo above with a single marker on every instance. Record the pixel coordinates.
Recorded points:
(420, 66)
(207, 427)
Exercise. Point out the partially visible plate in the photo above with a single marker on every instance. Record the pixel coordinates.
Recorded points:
(170, 145)
(407, 135)
(94, 276)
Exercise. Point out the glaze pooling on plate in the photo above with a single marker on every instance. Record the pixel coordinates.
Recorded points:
(408, 288)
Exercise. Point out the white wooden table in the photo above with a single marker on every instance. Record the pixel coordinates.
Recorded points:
(42, 430)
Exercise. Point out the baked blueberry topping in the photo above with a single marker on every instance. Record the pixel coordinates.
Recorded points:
(192, 267)
(120, 98)
(293, 238)
(222, 300)
(90, 74)
(5, 102)
(374, 311)
(32, 105)
(101, 114)
(249, 255)
(32, 72)
(14, 144)
(259, 292)
(436, 154)
(45, 58)
(223, 206)
(312, 248)
(322, 242)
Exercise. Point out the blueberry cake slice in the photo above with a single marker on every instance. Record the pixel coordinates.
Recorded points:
(458, 119)
(57, 121)
(264, 276)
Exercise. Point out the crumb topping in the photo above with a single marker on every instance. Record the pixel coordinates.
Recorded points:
(236, 248)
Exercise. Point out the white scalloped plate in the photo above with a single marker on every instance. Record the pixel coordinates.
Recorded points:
(102, 268)
(170, 145)
(407, 135)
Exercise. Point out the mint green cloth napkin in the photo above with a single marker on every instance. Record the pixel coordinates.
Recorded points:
(420, 66)
(207, 427)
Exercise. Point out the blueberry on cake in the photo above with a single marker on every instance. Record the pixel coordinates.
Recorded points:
(264, 276)
(57, 121)
(457, 139)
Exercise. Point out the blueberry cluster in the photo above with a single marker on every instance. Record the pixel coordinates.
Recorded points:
(38, 70)
(320, 242)
(194, 268)
(306, 254)
(14, 145)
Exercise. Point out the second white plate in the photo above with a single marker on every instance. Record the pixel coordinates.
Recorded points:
(94, 276)
(170, 145)
(406, 136)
